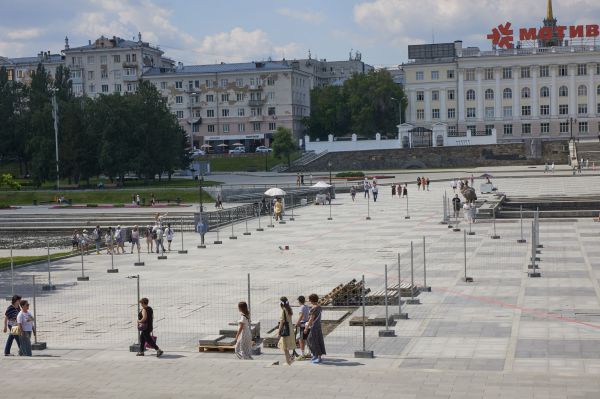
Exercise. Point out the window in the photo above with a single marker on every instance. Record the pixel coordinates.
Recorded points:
(544, 71)
(489, 94)
(598, 108)
(255, 96)
(597, 69)
(507, 94)
(563, 70)
(450, 74)
(545, 127)
(225, 112)
(241, 127)
(103, 73)
(471, 95)
(195, 128)
(489, 74)
(526, 128)
(471, 114)
(190, 85)
(116, 59)
(90, 75)
(163, 85)
(420, 96)
(241, 112)
(178, 99)
(507, 112)
(104, 88)
(419, 75)
(544, 110)
(272, 126)
(470, 74)
(208, 83)
(103, 60)
(488, 129)
(256, 126)
(435, 95)
(197, 84)
(564, 127)
(582, 109)
(271, 111)
(117, 88)
(239, 96)
(581, 69)
(582, 90)
(526, 110)
(210, 113)
(211, 128)
(451, 113)
(225, 97)
(506, 73)
(239, 82)
(420, 114)
(451, 94)
(452, 129)
(224, 82)
(598, 90)
(129, 72)
(226, 128)
(563, 109)
(489, 112)
(271, 96)
(179, 114)
(435, 113)
(91, 59)
(525, 92)
(255, 111)
(563, 91)
(76, 74)
(178, 84)
(508, 130)
(210, 98)
(583, 127)
(544, 92)
(270, 81)
(525, 72)
(472, 128)
(92, 88)
(435, 75)
(133, 58)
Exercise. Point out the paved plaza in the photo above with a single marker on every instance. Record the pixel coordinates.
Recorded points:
(505, 335)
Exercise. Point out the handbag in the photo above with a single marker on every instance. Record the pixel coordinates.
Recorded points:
(284, 331)
(147, 344)
(15, 330)
(142, 326)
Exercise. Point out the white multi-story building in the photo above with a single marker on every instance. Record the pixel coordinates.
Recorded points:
(516, 93)
(236, 103)
(111, 65)
(20, 69)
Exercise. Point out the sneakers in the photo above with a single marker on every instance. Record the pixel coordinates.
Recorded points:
(159, 353)
(140, 354)
(301, 357)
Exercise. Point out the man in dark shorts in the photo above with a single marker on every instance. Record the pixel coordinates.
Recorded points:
(300, 324)
(10, 320)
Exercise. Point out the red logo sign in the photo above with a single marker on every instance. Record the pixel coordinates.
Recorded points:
(502, 35)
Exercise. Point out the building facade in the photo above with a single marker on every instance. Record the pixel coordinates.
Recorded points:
(521, 93)
(20, 69)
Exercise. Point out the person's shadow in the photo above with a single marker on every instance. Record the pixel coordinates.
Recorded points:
(340, 362)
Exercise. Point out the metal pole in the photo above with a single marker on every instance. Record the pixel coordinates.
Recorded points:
(12, 269)
(400, 315)
(83, 277)
(218, 240)
(137, 300)
(364, 317)
(387, 332)
(36, 345)
(259, 213)
(368, 206)
(412, 300)
(407, 215)
(467, 279)
(55, 116)
(425, 287)
(522, 239)
(112, 260)
(248, 291)
(233, 236)
(495, 236)
(330, 197)
(48, 286)
(271, 213)
(292, 218)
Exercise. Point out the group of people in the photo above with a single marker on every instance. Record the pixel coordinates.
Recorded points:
(422, 182)
(469, 210)
(304, 332)
(399, 190)
(20, 325)
(459, 184)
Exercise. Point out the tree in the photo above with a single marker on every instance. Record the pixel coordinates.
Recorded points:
(7, 180)
(283, 144)
(363, 105)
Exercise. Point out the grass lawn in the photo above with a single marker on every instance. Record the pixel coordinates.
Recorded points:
(20, 260)
(245, 163)
(106, 196)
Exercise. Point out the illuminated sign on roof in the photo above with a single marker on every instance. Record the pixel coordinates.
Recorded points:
(502, 36)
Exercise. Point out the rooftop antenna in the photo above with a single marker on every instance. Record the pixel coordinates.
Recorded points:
(432, 36)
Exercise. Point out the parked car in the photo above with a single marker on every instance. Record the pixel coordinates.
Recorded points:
(238, 150)
(262, 148)
(197, 153)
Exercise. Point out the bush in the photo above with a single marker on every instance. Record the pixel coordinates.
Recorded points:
(92, 205)
(4, 206)
(350, 174)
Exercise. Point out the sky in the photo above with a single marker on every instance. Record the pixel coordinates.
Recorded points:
(206, 32)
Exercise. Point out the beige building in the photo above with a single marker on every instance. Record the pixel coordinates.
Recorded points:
(20, 69)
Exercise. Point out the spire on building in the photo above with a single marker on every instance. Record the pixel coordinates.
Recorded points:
(549, 14)
(66, 42)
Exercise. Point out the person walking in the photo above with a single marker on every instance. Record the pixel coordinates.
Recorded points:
(427, 183)
(399, 190)
(375, 191)
(10, 320)
(243, 337)
(170, 234)
(552, 168)
(315, 339)
(109, 240)
(158, 236)
(366, 187)
(278, 209)
(75, 240)
(454, 185)
(145, 326)
(300, 325)
(287, 340)
(418, 183)
(149, 239)
(393, 190)
(405, 191)
(456, 205)
(297, 179)
(137, 199)
(97, 237)
(353, 193)
(120, 239)
(26, 325)
(135, 238)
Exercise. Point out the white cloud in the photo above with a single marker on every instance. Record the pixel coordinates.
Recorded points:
(305, 16)
(24, 34)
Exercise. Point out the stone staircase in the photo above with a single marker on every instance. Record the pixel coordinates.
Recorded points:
(300, 163)
(588, 150)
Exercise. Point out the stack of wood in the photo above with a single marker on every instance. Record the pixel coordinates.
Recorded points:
(345, 295)
(378, 297)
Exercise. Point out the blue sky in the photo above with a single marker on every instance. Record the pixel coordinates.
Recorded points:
(200, 32)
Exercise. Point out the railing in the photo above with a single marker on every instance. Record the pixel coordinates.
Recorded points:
(484, 133)
(457, 134)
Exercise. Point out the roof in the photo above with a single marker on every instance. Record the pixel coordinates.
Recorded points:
(51, 58)
(118, 41)
(221, 68)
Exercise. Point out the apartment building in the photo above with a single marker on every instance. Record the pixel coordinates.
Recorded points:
(236, 103)
(20, 69)
(111, 65)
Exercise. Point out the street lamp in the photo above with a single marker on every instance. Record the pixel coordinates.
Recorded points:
(200, 181)
(55, 117)
(330, 190)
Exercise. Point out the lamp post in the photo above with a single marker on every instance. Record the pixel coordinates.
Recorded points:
(330, 190)
(266, 161)
(200, 181)
(55, 117)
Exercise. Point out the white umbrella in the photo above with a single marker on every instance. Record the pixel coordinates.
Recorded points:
(275, 192)
(321, 184)
(223, 145)
(206, 146)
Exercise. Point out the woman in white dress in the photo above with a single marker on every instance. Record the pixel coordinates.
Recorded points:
(243, 338)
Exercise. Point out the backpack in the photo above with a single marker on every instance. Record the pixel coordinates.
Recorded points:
(154, 235)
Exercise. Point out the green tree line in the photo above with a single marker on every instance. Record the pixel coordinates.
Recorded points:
(365, 104)
(111, 135)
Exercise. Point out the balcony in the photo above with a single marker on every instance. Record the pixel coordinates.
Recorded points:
(195, 121)
(129, 64)
(255, 87)
(75, 66)
(257, 118)
(256, 103)
(130, 78)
